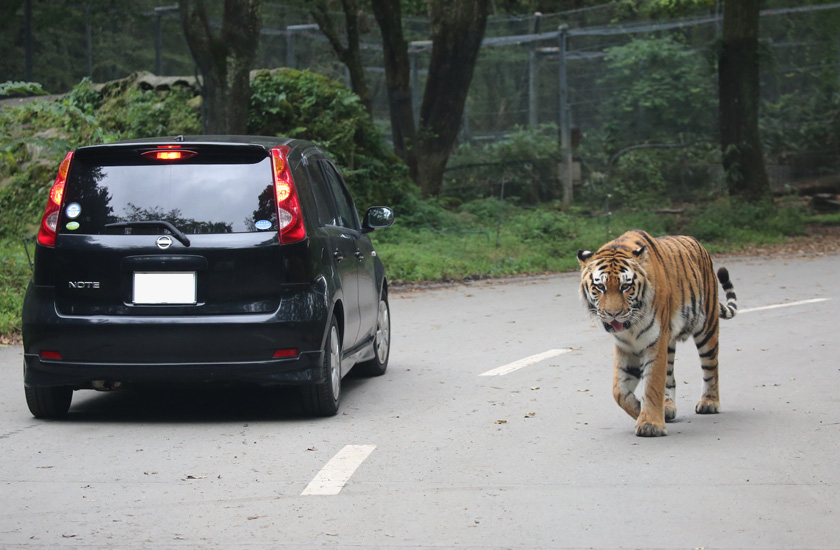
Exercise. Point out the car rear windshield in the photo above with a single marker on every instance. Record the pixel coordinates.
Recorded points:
(210, 193)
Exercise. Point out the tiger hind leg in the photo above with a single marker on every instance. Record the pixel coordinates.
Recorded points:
(707, 347)
(670, 387)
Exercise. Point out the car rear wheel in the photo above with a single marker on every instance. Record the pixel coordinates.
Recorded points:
(53, 402)
(381, 343)
(323, 398)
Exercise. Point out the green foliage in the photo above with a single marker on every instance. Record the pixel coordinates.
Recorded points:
(662, 8)
(35, 136)
(666, 94)
(803, 130)
(656, 139)
(306, 105)
(133, 113)
(729, 221)
(648, 177)
(526, 161)
(21, 88)
(14, 276)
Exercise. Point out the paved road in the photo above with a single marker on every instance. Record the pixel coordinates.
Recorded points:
(435, 455)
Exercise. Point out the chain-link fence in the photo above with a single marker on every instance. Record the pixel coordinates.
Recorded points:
(629, 88)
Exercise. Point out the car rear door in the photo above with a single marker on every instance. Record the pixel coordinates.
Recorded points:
(341, 222)
(142, 236)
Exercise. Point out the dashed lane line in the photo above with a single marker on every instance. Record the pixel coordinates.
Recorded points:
(534, 359)
(527, 362)
(337, 472)
(787, 304)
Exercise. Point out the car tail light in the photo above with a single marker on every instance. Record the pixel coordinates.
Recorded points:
(46, 354)
(49, 223)
(169, 152)
(291, 352)
(289, 217)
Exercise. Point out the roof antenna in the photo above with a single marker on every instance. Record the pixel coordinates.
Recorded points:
(179, 138)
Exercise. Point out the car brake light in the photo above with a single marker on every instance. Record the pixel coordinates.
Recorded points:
(50, 355)
(169, 152)
(289, 217)
(291, 352)
(49, 223)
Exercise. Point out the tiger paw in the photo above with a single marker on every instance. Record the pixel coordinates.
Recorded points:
(648, 429)
(707, 406)
(670, 410)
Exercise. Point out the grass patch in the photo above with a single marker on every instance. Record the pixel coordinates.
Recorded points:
(475, 242)
(14, 276)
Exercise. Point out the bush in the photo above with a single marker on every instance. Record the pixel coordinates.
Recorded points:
(300, 104)
(526, 161)
(732, 221)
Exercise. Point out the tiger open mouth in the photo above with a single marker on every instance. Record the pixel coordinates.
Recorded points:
(615, 325)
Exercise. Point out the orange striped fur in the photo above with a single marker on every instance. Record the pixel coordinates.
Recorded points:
(650, 293)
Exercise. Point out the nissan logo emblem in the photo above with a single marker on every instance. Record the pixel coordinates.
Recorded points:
(163, 242)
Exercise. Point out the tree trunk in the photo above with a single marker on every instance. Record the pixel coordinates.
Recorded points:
(350, 55)
(224, 61)
(738, 65)
(397, 80)
(457, 28)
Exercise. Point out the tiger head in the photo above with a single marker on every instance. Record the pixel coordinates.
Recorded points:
(613, 285)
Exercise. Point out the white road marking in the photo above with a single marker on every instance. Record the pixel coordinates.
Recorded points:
(335, 474)
(788, 304)
(528, 361)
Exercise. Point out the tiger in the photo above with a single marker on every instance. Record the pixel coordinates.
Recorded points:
(649, 293)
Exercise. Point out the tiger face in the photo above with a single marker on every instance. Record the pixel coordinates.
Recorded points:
(613, 286)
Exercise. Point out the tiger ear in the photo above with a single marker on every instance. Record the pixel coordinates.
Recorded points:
(640, 252)
(583, 256)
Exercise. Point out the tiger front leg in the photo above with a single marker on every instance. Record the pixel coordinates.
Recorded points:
(626, 375)
(651, 421)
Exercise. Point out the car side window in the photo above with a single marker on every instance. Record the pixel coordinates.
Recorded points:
(347, 216)
(327, 213)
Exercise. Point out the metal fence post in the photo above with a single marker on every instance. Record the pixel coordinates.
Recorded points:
(158, 45)
(159, 12)
(415, 85)
(27, 40)
(88, 43)
(501, 211)
(565, 123)
(533, 73)
(290, 46)
(291, 30)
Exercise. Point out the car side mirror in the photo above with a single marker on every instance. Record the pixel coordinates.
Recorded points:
(377, 217)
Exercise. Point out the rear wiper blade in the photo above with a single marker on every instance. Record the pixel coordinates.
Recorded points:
(177, 233)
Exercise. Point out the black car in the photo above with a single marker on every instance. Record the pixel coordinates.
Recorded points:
(188, 260)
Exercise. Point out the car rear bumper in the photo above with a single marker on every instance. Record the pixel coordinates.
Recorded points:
(306, 368)
(282, 347)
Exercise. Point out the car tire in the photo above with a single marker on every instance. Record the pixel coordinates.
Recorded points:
(381, 342)
(324, 398)
(51, 402)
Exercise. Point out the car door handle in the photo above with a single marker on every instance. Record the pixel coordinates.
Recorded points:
(338, 255)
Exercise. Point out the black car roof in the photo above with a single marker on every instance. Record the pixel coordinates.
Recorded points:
(263, 141)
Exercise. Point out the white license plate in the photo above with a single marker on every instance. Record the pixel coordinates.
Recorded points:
(164, 288)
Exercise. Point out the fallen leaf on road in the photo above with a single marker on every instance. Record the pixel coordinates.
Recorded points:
(501, 422)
